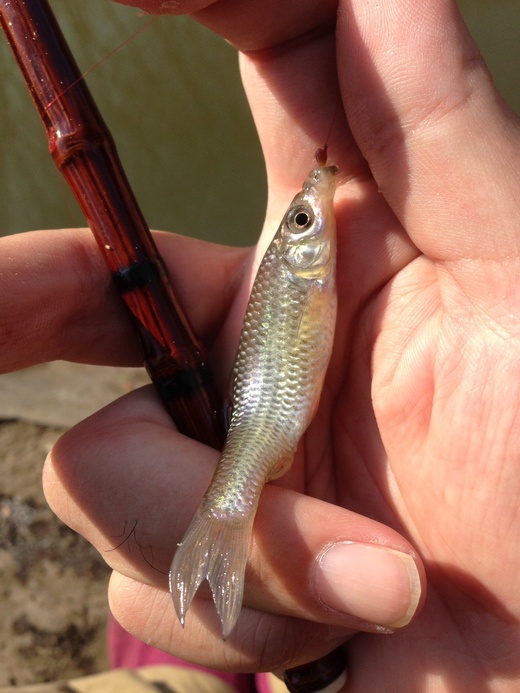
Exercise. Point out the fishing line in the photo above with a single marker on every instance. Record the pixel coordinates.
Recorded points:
(71, 209)
(107, 57)
(322, 152)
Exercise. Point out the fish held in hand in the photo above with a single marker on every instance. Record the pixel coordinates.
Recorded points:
(280, 366)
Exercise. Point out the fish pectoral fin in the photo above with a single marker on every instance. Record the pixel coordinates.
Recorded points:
(216, 550)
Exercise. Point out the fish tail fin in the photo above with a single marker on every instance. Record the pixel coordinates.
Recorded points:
(216, 550)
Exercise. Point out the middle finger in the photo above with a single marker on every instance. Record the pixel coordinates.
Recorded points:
(128, 482)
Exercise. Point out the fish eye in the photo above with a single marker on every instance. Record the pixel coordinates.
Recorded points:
(300, 218)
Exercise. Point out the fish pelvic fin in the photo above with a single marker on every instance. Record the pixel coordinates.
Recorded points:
(214, 548)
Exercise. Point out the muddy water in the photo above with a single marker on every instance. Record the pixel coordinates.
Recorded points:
(173, 100)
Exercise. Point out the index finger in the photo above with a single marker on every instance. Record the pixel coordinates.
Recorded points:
(58, 301)
(249, 24)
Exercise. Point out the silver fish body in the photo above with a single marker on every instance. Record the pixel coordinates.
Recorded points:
(281, 362)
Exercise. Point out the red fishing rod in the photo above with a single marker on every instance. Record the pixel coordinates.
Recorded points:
(84, 151)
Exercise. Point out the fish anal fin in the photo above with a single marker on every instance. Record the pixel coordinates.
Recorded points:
(281, 466)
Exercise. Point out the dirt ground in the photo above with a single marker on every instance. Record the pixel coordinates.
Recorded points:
(53, 584)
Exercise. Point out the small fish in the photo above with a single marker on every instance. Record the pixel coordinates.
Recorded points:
(279, 369)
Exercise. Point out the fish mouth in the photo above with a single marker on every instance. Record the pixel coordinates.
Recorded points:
(322, 180)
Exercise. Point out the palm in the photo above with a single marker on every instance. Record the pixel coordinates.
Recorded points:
(424, 427)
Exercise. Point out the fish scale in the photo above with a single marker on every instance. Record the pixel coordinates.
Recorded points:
(282, 358)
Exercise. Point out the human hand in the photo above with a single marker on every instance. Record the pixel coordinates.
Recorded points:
(417, 422)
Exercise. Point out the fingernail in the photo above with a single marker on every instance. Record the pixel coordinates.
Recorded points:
(373, 583)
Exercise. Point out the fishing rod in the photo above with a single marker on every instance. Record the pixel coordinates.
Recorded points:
(84, 152)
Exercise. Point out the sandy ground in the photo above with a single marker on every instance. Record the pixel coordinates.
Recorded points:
(52, 582)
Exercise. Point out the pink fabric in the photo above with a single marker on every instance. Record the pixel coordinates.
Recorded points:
(262, 684)
(128, 652)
